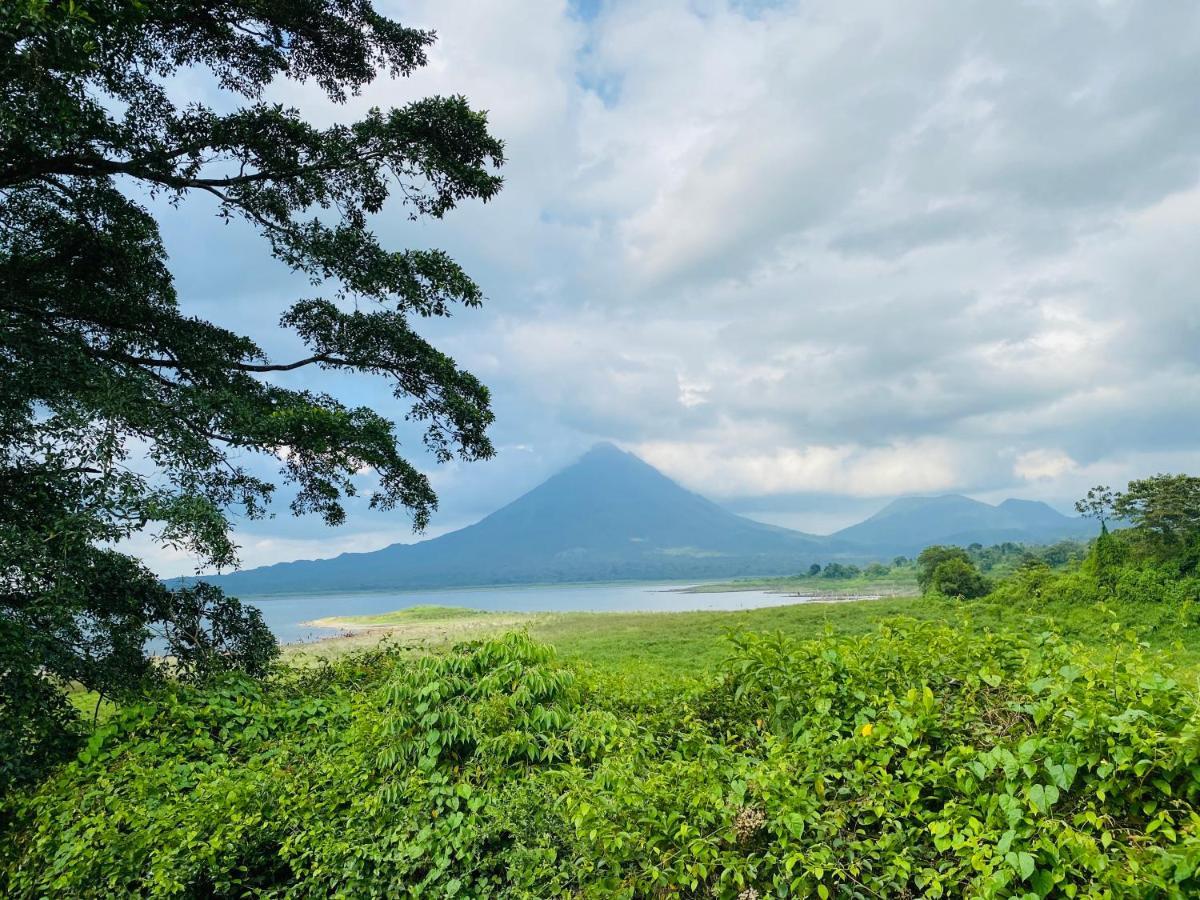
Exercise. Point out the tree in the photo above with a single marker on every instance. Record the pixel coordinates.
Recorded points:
(1098, 504)
(1164, 510)
(1107, 556)
(931, 557)
(839, 570)
(814, 570)
(876, 570)
(956, 577)
(118, 411)
(1061, 553)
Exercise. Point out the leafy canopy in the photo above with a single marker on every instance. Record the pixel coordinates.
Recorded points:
(932, 557)
(1162, 512)
(1098, 504)
(1164, 507)
(956, 577)
(120, 412)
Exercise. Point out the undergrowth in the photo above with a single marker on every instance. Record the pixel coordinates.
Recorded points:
(919, 759)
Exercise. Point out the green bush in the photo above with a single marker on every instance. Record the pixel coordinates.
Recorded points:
(1149, 584)
(932, 557)
(918, 760)
(957, 578)
(1105, 576)
(840, 570)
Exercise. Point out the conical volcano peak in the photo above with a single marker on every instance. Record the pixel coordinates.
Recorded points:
(607, 469)
(605, 450)
(609, 515)
(607, 458)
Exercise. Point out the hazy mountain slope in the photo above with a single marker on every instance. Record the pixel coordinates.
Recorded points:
(612, 516)
(608, 516)
(911, 523)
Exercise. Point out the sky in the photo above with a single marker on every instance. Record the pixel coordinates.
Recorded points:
(802, 257)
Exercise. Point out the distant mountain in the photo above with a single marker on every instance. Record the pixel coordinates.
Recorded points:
(608, 516)
(910, 524)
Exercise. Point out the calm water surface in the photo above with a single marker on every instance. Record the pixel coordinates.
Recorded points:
(286, 614)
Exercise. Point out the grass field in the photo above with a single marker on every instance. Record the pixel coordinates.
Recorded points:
(899, 582)
(684, 645)
(669, 643)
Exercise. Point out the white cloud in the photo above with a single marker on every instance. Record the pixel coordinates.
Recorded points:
(743, 466)
(861, 248)
(1043, 465)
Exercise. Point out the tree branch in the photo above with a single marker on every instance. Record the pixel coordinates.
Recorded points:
(90, 167)
(236, 366)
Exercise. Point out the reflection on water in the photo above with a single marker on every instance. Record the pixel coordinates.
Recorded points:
(285, 614)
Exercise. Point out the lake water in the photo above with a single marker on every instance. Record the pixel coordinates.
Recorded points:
(286, 614)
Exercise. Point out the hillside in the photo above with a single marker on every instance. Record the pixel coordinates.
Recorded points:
(911, 523)
(607, 516)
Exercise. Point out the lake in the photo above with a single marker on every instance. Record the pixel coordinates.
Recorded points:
(286, 614)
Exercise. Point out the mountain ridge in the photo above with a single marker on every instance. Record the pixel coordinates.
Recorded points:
(608, 516)
(908, 524)
(611, 516)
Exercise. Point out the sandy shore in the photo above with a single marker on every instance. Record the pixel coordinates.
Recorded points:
(347, 635)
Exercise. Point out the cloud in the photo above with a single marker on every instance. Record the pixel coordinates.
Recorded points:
(763, 466)
(802, 249)
(1043, 465)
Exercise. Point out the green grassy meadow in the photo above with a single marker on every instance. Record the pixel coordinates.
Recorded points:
(652, 644)
(693, 645)
(1034, 743)
(898, 582)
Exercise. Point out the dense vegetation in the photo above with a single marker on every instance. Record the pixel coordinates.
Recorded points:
(1038, 742)
(121, 413)
(902, 576)
(921, 759)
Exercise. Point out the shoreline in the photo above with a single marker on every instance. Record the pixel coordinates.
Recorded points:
(666, 585)
(349, 626)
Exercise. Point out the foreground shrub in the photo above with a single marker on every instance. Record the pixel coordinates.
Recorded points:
(918, 760)
(957, 578)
